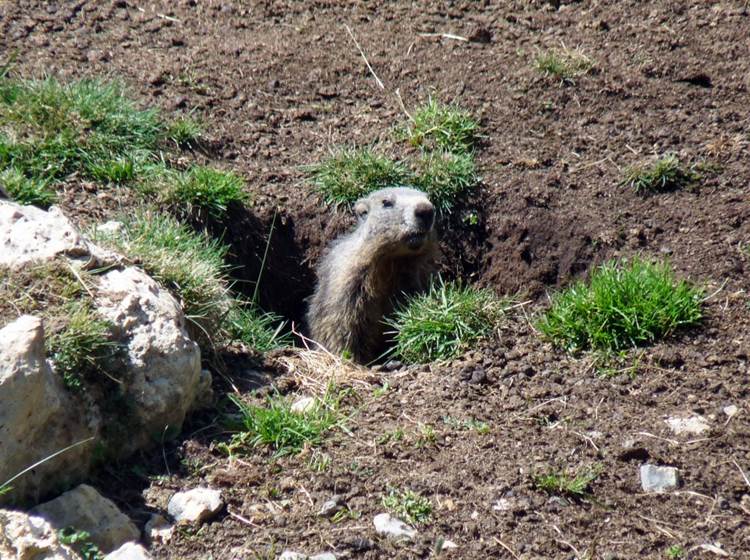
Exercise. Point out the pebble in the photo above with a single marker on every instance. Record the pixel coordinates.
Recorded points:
(692, 425)
(393, 528)
(291, 555)
(158, 529)
(129, 551)
(658, 479)
(730, 410)
(304, 405)
(330, 507)
(196, 505)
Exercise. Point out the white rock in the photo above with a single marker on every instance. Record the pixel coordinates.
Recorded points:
(449, 545)
(691, 425)
(324, 556)
(730, 410)
(196, 505)
(86, 510)
(110, 228)
(129, 551)
(304, 405)
(291, 555)
(158, 529)
(24, 537)
(658, 479)
(38, 415)
(393, 528)
(164, 372)
(331, 506)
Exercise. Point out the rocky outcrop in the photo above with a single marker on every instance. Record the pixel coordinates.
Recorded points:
(160, 378)
(25, 537)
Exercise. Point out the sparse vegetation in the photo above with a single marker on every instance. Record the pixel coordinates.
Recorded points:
(471, 424)
(80, 347)
(443, 322)
(260, 330)
(663, 174)
(425, 436)
(623, 305)
(184, 132)
(351, 173)
(203, 191)
(561, 484)
(443, 128)
(277, 426)
(407, 505)
(445, 176)
(27, 190)
(80, 541)
(563, 64)
(675, 552)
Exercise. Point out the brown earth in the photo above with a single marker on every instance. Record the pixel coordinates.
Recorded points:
(278, 83)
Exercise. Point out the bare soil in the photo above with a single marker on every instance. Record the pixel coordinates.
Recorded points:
(278, 83)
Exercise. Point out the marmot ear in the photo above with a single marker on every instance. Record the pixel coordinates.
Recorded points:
(361, 209)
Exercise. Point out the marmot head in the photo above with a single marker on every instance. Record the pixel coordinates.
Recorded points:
(399, 219)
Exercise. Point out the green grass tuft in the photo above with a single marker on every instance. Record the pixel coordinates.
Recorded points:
(26, 190)
(563, 64)
(79, 349)
(184, 132)
(259, 329)
(204, 191)
(445, 177)
(624, 304)
(275, 425)
(436, 126)
(352, 173)
(560, 484)
(81, 542)
(443, 322)
(408, 505)
(662, 174)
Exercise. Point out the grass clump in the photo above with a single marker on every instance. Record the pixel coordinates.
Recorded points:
(445, 176)
(561, 484)
(261, 330)
(441, 323)
(408, 506)
(563, 64)
(184, 132)
(663, 174)
(27, 190)
(51, 130)
(351, 173)
(204, 191)
(449, 128)
(80, 348)
(189, 264)
(80, 541)
(675, 552)
(623, 305)
(277, 426)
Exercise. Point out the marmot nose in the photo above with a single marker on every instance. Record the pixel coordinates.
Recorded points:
(425, 214)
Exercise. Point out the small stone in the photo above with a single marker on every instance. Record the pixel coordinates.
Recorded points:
(393, 528)
(303, 405)
(129, 551)
(110, 228)
(331, 506)
(730, 410)
(693, 425)
(196, 505)
(448, 545)
(158, 529)
(291, 555)
(658, 479)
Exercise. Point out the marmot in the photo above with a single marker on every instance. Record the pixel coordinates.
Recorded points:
(390, 254)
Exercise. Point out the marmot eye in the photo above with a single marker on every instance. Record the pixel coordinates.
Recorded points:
(387, 203)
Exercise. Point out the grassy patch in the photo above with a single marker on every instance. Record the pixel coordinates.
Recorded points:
(189, 264)
(443, 322)
(445, 177)
(563, 64)
(675, 552)
(351, 173)
(51, 130)
(449, 128)
(408, 506)
(184, 132)
(623, 305)
(81, 347)
(663, 174)
(277, 426)
(259, 329)
(201, 191)
(27, 190)
(561, 484)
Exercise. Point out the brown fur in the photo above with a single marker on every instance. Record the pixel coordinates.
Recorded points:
(391, 253)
